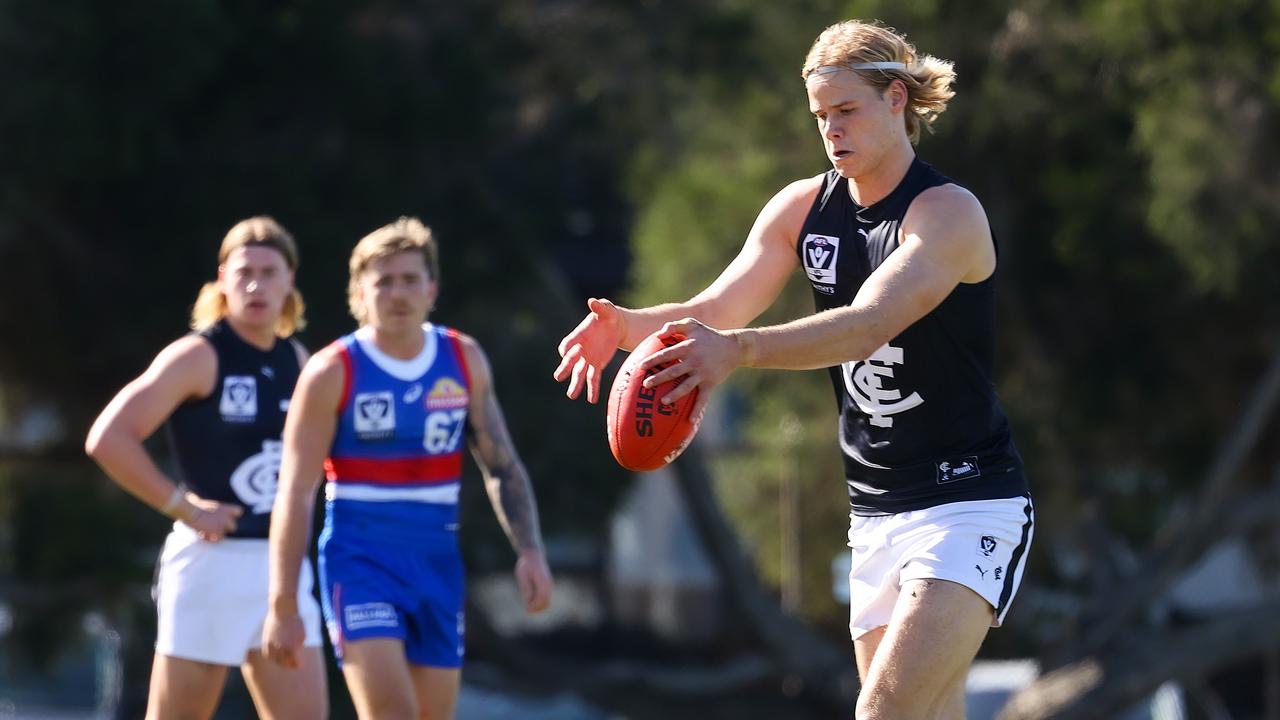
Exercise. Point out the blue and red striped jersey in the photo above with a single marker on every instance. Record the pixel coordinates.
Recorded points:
(401, 425)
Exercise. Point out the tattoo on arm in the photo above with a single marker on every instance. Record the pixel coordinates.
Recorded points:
(505, 478)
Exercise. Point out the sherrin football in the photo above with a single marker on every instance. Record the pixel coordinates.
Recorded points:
(644, 434)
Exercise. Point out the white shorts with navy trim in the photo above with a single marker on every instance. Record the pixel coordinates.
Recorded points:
(980, 544)
(211, 598)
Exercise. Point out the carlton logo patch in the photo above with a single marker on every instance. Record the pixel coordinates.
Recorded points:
(819, 257)
(957, 469)
(447, 394)
(870, 385)
(254, 480)
(375, 415)
(367, 615)
(239, 402)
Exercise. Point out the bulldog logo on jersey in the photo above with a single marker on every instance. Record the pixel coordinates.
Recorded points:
(447, 394)
(239, 401)
(375, 415)
(819, 256)
(867, 383)
(254, 481)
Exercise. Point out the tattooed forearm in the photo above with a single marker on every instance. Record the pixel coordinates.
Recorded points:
(505, 478)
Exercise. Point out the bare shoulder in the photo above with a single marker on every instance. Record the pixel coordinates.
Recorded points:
(327, 366)
(784, 215)
(188, 366)
(474, 356)
(947, 205)
(797, 197)
(189, 351)
(950, 223)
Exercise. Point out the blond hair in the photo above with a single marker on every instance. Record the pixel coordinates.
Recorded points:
(406, 234)
(263, 231)
(853, 42)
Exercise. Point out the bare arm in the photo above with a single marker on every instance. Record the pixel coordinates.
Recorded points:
(309, 430)
(746, 287)
(945, 241)
(186, 369)
(506, 481)
(505, 478)
(751, 282)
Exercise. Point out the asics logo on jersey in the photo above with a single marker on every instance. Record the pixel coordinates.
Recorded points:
(254, 480)
(239, 401)
(867, 383)
(413, 393)
(820, 253)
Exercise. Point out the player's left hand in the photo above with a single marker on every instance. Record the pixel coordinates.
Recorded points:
(533, 577)
(706, 357)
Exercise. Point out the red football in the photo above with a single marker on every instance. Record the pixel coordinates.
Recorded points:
(644, 434)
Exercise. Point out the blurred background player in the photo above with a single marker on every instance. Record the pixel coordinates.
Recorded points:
(224, 390)
(384, 412)
(902, 266)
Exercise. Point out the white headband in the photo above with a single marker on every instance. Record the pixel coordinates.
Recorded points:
(878, 65)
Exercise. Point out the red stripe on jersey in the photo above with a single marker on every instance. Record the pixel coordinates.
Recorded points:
(395, 471)
(455, 341)
(348, 378)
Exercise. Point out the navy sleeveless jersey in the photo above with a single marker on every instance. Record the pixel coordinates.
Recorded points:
(919, 421)
(228, 445)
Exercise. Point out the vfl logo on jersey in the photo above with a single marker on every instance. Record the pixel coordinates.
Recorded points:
(367, 615)
(986, 545)
(375, 415)
(446, 394)
(867, 383)
(820, 253)
(239, 401)
(957, 469)
(254, 481)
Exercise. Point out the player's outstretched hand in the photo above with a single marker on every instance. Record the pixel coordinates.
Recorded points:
(212, 519)
(702, 359)
(282, 638)
(585, 351)
(533, 577)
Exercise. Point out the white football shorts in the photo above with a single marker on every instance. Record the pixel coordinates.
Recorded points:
(211, 598)
(980, 544)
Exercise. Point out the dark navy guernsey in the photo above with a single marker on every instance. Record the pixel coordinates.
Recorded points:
(920, 424)
(228, 445)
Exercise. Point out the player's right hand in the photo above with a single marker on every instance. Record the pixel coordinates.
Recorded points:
(214, 519)
(282, 638)
(585, 351)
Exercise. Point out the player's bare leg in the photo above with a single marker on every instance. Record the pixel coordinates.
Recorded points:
(281, 693)
(864, 650)
(437, 691)
(184, 689)
(377, 675)
(932, 637)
